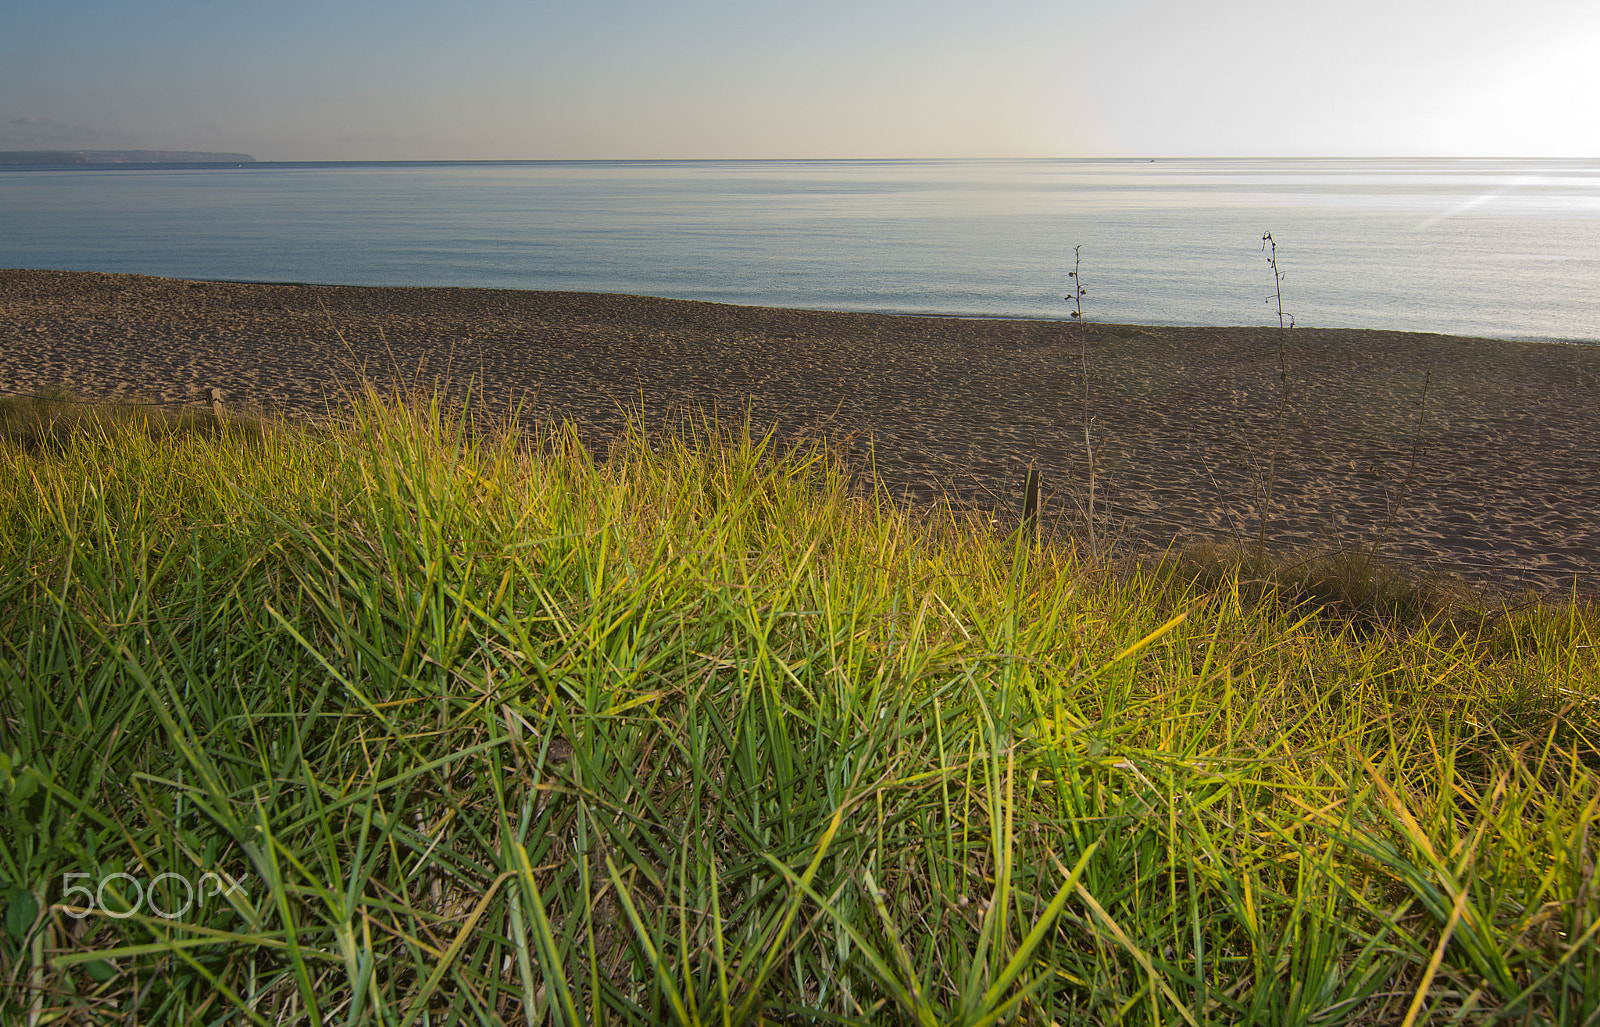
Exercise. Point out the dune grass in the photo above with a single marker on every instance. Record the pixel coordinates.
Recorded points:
(469, 731)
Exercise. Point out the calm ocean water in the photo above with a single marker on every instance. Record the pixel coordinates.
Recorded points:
(1473, 247)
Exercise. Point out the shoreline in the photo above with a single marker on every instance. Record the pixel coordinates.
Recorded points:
(1505, 490)
(1532, 340)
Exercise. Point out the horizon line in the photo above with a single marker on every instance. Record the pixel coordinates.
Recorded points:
(792, 160)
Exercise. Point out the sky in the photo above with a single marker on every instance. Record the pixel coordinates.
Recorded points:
(755, 79)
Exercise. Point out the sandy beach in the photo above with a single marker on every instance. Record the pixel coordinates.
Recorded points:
(1504, 488)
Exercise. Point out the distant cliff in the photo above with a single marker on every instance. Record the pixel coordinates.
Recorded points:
(121, 157)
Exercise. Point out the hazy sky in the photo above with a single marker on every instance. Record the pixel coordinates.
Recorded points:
(525, 79)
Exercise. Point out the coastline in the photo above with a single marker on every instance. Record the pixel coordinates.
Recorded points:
(1505, 490)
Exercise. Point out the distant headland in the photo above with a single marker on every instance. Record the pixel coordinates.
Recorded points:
(121, 157)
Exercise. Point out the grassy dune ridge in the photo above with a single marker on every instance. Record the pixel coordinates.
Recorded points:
(479, 732)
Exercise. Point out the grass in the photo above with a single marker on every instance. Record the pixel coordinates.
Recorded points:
(51, 418)
(470, 731)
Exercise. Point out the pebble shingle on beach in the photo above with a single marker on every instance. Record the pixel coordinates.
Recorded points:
(1506, 485)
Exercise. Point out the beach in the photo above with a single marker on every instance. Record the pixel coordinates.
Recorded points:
(1470, 457)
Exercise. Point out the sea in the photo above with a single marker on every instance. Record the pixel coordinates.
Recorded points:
(1493, 248)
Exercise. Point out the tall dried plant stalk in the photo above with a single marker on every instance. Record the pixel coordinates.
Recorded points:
(1078, 293)
(1285, 322)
